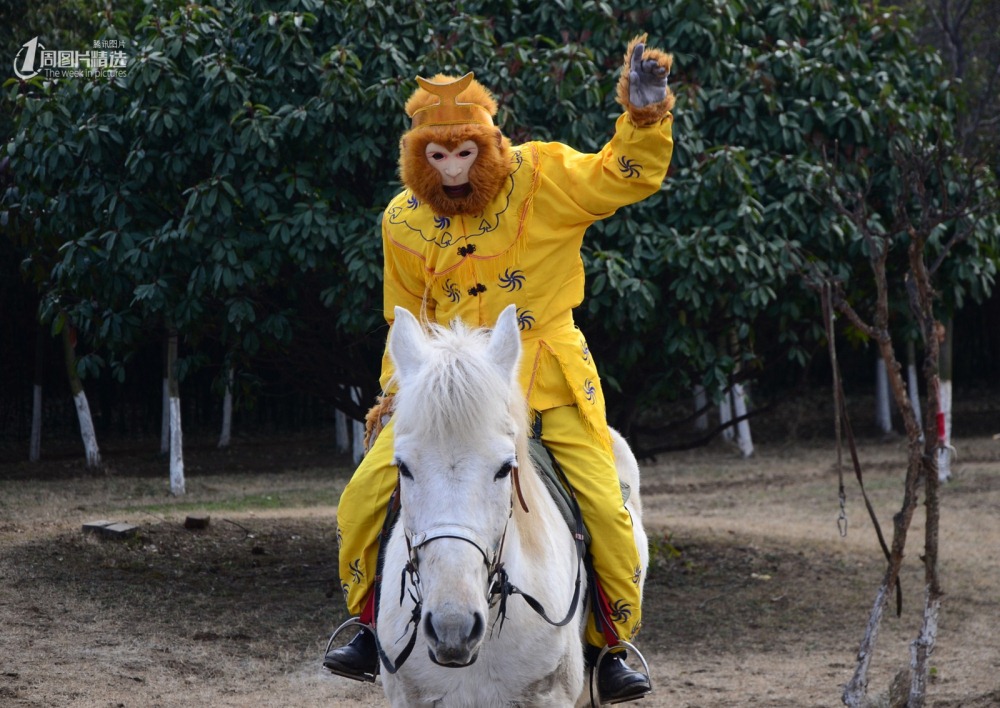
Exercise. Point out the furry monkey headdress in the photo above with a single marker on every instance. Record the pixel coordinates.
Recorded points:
(449, 111)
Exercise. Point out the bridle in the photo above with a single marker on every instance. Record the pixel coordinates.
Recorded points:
(411, 571)
(490, 554)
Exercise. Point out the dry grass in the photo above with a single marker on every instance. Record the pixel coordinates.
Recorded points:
(754, 599)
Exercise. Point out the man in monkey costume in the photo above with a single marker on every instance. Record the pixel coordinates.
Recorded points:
(480, 225)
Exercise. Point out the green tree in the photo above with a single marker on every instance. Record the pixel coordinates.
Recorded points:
(63, 25)
(768, 94)
(236, 176)
(185, 195)
(964, 33)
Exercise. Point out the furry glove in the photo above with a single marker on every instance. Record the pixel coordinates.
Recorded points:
(642, 86)
(647, 80)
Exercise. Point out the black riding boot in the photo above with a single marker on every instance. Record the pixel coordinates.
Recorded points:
(357, 660)
(616, 682)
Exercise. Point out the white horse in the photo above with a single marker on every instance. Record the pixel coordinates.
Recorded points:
(461, 448)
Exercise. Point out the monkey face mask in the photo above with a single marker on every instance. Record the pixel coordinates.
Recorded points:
(453, 159)
(453, 166)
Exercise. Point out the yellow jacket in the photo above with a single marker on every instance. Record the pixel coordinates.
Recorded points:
(525, 249)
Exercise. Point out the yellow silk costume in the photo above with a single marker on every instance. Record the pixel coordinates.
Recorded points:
(523, 249)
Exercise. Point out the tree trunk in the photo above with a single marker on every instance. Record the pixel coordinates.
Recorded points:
(913, 388)
(165, 409)
(700, 408)
(855, 693)
(358, 430)
(916, 169)
(227, 410)
(921, 648)
(739, 399)
(35, 451)
(80, 399)
(743, 438)
(726, 415)
(937, 362)
(945, 368)
(176, 435)
(342, 437)
(883, 415)
(919, 467)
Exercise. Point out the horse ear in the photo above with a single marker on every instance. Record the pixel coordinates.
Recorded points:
(505, 341)
(406, 342)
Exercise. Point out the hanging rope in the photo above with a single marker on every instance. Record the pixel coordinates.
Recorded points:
(841, 417)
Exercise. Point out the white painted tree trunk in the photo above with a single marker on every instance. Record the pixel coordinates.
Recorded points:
(735, 402)
(176, 433)
(358, 430)
(165, 418)
(176, 448)
(726, 415)
(913, 388)
(944, 453)
(91, 450)
(945, 366)
(700, 403)
(922, 648)
(35, 449)
(743, 439)
(856, 692)
(87, 430)
(883, 416)
(341, 437)
(227, 411)
(35, 453)
(358, 443)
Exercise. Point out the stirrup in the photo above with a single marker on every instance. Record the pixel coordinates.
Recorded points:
(597, 664)
(364, 676)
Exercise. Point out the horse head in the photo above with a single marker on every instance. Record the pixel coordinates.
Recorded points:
(459, 416)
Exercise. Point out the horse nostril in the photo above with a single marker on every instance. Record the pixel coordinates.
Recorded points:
(478, 626)
(429, 628)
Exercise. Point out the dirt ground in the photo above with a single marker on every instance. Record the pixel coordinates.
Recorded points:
(753, 598)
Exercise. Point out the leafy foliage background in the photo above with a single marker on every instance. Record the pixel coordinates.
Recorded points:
(230, 186)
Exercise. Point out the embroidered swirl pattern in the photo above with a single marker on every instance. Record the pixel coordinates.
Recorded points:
(512, 280)
(629, 168)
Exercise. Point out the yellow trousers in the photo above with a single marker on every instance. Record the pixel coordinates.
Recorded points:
(592, 474)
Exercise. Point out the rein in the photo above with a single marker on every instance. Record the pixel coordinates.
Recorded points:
(503, 588)
(387, 526)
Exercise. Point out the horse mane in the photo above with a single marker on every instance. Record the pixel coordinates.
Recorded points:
(459, 389)
(456, 395)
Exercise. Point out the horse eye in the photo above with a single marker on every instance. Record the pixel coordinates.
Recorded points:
(404, 471)
(504, 471)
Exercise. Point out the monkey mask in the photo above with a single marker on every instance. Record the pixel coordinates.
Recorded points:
(453, 158)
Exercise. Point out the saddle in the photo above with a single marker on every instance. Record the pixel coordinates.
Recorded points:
(555, 481)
